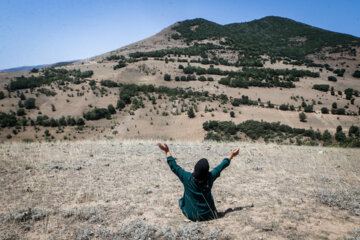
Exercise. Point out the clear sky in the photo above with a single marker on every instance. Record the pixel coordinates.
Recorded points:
(47, 31)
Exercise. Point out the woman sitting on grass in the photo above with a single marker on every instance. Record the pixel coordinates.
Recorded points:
(197, 204)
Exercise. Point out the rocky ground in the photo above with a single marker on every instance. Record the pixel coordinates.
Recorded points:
(125, 190)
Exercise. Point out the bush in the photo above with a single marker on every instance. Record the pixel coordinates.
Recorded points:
(354, 131)
(20, 112)
(202, 78)
(302, 117)
(324, 110)
(348, 93)
(284, 107)
(338, 111)
(97, 113)
(167, 77)
(334, 105)
(30, 103)
(2, 95)
(108, 83)
(92, 82)
(191, 113)
(34, 70)
(232, 114)
(356, 74)
(332, 78)
(111, 109)
(321, 87)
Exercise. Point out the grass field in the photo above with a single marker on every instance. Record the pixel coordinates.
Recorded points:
(125, 190)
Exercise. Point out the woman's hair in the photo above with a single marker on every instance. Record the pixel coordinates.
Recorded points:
(201, 174)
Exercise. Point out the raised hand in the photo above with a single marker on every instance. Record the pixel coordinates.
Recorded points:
(164, 147)
(234, 153)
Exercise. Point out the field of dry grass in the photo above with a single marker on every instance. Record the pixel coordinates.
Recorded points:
(125, 190)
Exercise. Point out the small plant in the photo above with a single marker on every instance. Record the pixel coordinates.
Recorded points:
(302, 117)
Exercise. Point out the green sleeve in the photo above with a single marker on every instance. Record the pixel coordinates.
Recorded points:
(176, 168)
(215, 173)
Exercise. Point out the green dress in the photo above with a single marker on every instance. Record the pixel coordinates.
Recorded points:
(197, 204)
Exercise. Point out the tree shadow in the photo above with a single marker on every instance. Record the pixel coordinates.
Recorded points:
(229, 210)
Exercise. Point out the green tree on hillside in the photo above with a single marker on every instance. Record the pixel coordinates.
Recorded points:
(302, 117)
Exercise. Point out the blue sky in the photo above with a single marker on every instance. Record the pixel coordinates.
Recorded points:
(49, 31)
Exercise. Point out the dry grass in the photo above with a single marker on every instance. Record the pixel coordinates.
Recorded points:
(124, 189)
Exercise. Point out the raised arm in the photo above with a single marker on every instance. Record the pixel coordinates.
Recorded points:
(172, 163)
(215, 173)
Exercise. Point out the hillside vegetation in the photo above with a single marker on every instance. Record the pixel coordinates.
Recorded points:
(271, 80)
(274, 36)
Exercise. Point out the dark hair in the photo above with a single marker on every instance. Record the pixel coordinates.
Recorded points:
(201, 174)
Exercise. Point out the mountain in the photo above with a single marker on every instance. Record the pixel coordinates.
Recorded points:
(274, 36)
(270, 80)
(27, 68)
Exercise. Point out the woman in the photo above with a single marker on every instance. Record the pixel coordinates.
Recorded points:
(197, 204)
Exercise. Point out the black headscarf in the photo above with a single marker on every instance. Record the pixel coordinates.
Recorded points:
(201, 174)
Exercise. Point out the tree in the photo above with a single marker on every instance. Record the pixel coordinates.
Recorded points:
(332, 78)
(191, 113)
(22, 96)
(232, 114)
(111, 109)
(324, 110)
(20, 112)
(339, 128)
(30, 103)
(354, 130)
(334, 105)
(120, 104)
(92, 82)
(80, 122)
(2, 95)
(356, 74)
(302, 117)
(167, 77)
(326, 137)
(340, 136)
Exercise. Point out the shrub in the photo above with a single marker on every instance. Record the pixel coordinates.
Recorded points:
(177, 78)
(302, 117)
(92, 82)
(2, 95)
(30, 103)
(321, 87)
(120, 104)
(348, 93)
(356, 74)
(111, 109)
(34, 70)
(167, 77)
(191, 113)
(284, 107)
(354, 131)
(334, 105)
(97, 113)
(332, 78)
(324, 110)
(338, 111)
(20, 112)
(202, 78)
(340, 136)
(108, 83)
(232, 114)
